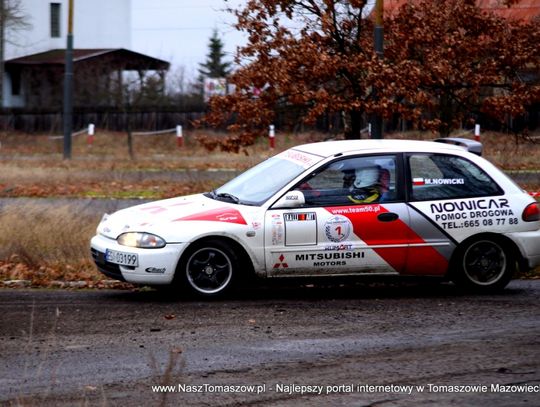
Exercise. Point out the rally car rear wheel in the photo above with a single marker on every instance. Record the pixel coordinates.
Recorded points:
(484, 264)
(209, 268)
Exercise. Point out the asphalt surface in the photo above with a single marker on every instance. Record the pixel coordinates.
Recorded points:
(362, 343)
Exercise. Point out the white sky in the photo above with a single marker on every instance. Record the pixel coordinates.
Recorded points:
(178, 31)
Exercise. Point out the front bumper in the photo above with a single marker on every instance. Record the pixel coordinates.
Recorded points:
(156, 266)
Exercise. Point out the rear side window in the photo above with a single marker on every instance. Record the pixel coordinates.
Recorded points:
(439, 176)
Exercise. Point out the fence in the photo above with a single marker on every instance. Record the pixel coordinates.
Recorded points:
(177, 131)
(36, 121)
(51, 122)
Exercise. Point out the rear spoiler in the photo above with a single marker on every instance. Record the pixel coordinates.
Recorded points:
(471, 146)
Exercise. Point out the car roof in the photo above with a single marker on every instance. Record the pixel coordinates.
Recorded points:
(331, 148)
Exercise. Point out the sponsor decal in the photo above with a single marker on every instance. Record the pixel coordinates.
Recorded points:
(338, 247)
(281, 263)
(305, 160)
(329, 256)
(328, 259)
(452, 206)
(438, 181)
(227, 215)
(277, 230)
(181, 203)
(155, 270)
(473, 213)
(256, 225)
(337, 228)
(299, 217)
(154, 210)
(355, 209)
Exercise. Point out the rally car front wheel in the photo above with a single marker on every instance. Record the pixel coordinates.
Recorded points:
(208, 268)
(484, 264)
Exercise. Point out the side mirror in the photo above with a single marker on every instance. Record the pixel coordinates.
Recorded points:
(292, 199)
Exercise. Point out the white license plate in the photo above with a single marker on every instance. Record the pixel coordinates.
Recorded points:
(122, 258)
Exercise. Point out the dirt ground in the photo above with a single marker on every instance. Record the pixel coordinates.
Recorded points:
(363, 344)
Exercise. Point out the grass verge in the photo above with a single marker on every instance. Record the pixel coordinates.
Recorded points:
(44, 246)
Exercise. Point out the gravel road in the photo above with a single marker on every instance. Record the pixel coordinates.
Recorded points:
(367, 344)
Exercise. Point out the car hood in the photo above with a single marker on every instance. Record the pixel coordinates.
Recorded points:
(160, 217)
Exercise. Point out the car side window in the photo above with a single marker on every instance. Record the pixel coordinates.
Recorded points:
(440, 176)
(349, 181)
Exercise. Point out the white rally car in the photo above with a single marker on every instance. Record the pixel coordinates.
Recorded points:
(414, 208)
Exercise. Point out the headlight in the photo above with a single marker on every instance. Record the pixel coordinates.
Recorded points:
(142, 240)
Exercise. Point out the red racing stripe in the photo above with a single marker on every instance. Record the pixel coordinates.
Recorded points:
(424, 260)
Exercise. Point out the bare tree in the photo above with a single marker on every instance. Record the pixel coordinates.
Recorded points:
(12, 18)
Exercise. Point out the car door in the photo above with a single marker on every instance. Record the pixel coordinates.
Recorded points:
(343, 226)
(445, 192)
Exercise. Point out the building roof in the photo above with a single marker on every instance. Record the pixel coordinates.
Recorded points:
(522, 10)
(132, 60)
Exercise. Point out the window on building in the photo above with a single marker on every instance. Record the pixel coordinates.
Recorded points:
(55, 20)
(15, 83)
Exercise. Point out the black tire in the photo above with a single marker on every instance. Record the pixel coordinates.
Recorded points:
(485, 264)
(208, 268)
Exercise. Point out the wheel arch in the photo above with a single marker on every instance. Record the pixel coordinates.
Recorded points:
(243, 256)
(505, 240)
(458, 275)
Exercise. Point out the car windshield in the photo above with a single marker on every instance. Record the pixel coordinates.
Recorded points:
(259, 183)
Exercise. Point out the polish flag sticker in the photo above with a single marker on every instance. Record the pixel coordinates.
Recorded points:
(418, 181)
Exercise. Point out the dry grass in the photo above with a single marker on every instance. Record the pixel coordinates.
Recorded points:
(46, 245)
(154, 151)
(510, 153)
(32, 165)
(41, 235)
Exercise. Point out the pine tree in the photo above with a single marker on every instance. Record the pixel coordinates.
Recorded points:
(214, 67)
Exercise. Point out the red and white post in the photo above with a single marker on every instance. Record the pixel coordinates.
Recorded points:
(477, 132)
(272, 136)
(179, 136)
(90, 137)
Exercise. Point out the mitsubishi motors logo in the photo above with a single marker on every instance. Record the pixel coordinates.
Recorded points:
(281, 263)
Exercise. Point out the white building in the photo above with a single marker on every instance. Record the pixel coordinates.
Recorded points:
(98, 25)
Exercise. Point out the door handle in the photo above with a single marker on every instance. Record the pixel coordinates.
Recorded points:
(388, 217)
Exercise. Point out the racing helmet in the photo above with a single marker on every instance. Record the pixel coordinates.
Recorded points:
(366, 176)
